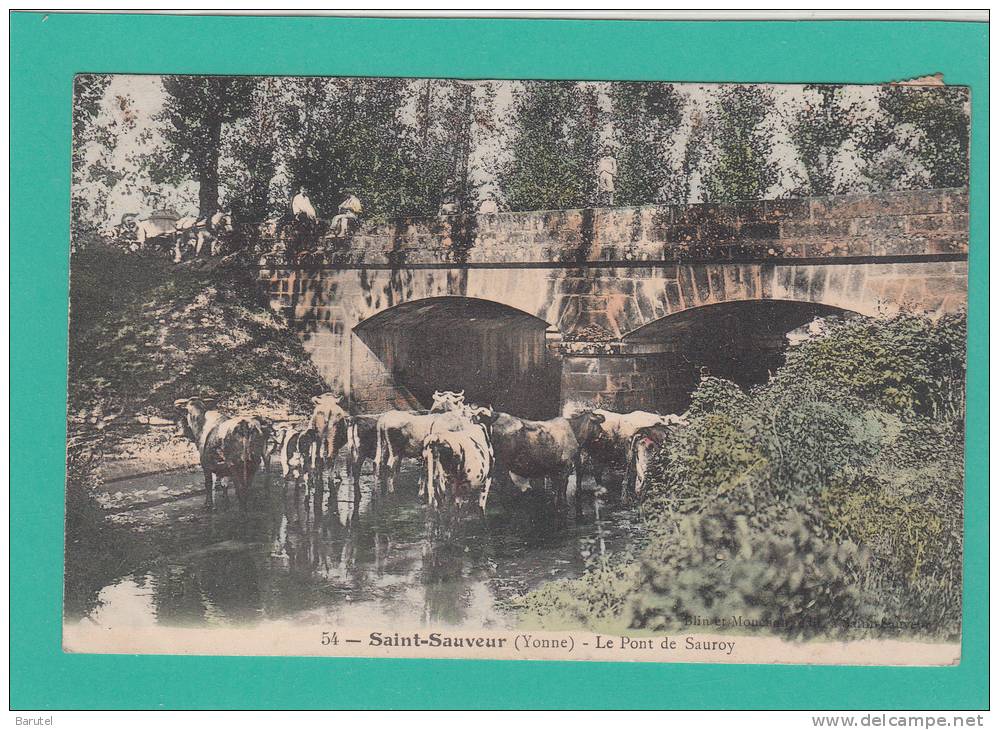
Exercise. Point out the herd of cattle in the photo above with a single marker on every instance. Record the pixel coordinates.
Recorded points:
(463, 448)
(185, 236)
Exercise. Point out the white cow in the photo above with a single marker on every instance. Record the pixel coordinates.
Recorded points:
(460, 461)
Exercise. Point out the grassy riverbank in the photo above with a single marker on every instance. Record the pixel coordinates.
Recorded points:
(144, 332)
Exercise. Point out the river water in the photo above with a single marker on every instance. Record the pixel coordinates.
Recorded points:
(377, 562)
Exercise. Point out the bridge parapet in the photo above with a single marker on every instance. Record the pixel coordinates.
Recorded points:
(916, 223)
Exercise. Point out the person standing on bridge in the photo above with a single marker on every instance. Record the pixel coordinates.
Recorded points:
(301, 207)
(606, 178)
(302, 226)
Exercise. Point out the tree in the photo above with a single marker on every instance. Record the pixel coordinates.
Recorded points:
(819, 131)
(553, 150)
(194, 112)
(445, 112)
(918, 139)
(740, 146)
(345, 135)
(646, 118)
(88, 93)
(250, 159)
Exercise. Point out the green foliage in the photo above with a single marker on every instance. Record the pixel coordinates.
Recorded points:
(827, 502)
(406, 146)
(193, 115)
(597, 600)
(741, 146)
(553, 147)
(907, 363)
(919, 138)
(646, 118)
(717, 567)
(92, 174)
(819, 130)
(345, 135)
(443, 144)
(250, 156)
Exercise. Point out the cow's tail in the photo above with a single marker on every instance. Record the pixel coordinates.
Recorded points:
(381, 447)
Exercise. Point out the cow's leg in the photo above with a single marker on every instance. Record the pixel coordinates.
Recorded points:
(394, 469)
(356, 475)
(578, 464)
(241, 490)
(317, 497)
(319, 486)
(209, 490)
(627, 486)
(427, 480)
(484, 496)
(560, 485)
(598, 477)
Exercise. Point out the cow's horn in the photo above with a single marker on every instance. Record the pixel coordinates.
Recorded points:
(181, 402)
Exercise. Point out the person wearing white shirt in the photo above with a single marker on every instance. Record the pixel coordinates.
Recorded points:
(301, 206)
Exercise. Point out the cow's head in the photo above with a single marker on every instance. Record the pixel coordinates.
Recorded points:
(484, 416)
(587, 426)
(191, 416)
(329, 419)
(447, 400)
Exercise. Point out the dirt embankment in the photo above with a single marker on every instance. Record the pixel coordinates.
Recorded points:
(144, 332)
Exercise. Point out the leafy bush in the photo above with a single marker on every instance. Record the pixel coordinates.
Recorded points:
(597, 600)
(718, 569)
(905, 364)
(825, 502)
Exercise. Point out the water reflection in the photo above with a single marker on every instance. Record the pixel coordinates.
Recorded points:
(334, 559)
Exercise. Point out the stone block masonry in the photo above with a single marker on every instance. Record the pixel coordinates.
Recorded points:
(635, 301)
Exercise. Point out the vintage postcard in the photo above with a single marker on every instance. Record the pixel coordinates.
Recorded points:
(618, 371)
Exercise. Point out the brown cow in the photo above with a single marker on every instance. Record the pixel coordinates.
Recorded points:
(227, 447)
(605, 436)
(545, 450)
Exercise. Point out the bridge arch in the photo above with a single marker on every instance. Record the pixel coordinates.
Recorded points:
(742, 340)
(497, 354)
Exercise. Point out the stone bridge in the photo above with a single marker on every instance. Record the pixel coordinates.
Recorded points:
(623, 307)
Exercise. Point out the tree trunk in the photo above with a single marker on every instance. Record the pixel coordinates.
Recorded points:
(208, 175)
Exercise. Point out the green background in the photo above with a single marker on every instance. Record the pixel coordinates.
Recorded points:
(47, 50)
